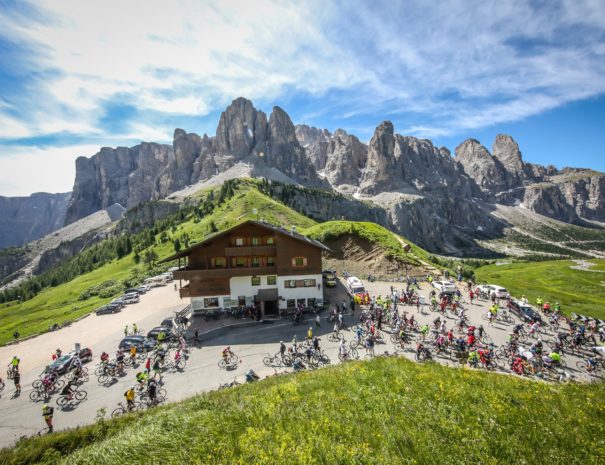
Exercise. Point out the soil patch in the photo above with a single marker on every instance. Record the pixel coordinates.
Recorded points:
(360, 257)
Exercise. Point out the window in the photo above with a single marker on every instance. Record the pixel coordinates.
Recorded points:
(289, 283)
(256, 241)
(271, 280)
(239, 261)
(299, 262)
(270, 240)
(270, 261)
(256, 262)
(301, 302)
(239, 241)
(211, 302)
(218, 262)
(256, 280)
(290, 303)
(310, 283)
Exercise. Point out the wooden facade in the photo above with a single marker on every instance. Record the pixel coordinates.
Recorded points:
(250, 249)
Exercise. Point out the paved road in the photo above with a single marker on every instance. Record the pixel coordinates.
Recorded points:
(19, 416)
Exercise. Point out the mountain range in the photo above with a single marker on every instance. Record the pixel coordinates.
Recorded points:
(448, 204)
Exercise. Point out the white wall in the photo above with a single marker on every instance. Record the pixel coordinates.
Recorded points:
(299, 292)
(242, 286)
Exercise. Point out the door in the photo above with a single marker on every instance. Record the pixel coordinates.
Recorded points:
(271, 308)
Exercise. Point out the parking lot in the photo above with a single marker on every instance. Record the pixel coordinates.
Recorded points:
(250, 341)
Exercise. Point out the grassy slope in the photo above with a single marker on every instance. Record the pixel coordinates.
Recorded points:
(58, 304)
(369, 231)
(577, 291)
(383, 411)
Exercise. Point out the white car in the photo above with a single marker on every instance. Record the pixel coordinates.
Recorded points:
(444, 286)
(489, 289)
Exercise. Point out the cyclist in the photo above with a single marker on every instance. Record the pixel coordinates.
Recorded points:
(342, 349)
(282, 349)
(316, 344)
(177, 356)
(424, 329)
(133, 354)
(135, 329)
(17, 381)
(70, 389)
(14, 364)
(473, 359)
(227, 353)
(539, 302)
(104, 358)
(152, 389)
(125, 330)
(77, 366)
(47, 414)
(129, 395)
(554, 358)
(120, 360)
(142, 377)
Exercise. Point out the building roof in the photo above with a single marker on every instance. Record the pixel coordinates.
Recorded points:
(270, 227)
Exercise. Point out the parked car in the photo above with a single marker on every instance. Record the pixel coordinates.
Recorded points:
(524, 311)
(131, 298)
(444, 286)
(329, 278)
(140, 342)
(133, 290)
(489, 289)
(107, 309)
(168, 322)
(153, 334)
(63, 363)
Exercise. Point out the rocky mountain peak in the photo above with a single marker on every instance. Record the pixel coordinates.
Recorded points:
(487, 171)
(308, 135)
(507, 151)
(241, 129)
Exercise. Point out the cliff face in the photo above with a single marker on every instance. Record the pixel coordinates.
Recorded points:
(126, 176)
(25, 219)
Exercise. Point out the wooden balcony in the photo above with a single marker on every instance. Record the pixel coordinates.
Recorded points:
(248, 251)
(185, 292)
(188, 273)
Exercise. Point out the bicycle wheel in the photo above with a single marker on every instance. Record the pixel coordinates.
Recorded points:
(180, 365)
(353, 353)
(81, 395)
(103, 379)
(59, 384)
(61, 401)
(34, 395)
(118, 412)
(522, 337)
(222, 363)
(582, 365)
(234, 358)
(37, 384)
(267, 361)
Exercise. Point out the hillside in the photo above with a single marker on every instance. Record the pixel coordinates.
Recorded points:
(208, 210)
(579, 291)
(363, 248)
(382, 411)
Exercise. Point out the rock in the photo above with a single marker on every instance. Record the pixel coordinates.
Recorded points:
(241, 130)
(346, 157)
(487, 171)
(547, 199)
(25, 219)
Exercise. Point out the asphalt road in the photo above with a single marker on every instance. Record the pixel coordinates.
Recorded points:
(20, 416)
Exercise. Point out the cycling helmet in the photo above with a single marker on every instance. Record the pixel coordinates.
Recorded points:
(281, 342)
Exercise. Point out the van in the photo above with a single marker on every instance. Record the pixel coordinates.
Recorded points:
(355, 286)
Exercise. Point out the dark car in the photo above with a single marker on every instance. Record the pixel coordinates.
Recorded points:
(524, 311)
(107, 309)
(142, 343)
(153, 334)
(63, 363)
(168, 323)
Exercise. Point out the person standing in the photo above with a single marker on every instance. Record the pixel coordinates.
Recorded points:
(196, 337)
(317, 320)
(47, 414)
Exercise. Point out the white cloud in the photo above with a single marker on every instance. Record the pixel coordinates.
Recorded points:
(442, 67)
(24, 170)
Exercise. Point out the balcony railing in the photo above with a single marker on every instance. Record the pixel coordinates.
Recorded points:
(266, 250)
(189, 273)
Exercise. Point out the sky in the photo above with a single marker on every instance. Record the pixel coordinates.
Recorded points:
(76, 76)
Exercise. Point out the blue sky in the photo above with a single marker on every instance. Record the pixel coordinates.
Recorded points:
(75, 76)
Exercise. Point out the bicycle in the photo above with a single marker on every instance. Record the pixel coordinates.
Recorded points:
(277, 360)
(76, 398)
(350, 354)
(229, 385)
(45, 392)
(335, 336)
(301, 320)
(176, 365)
(124, 409)
(231, 360)
(160, 397)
